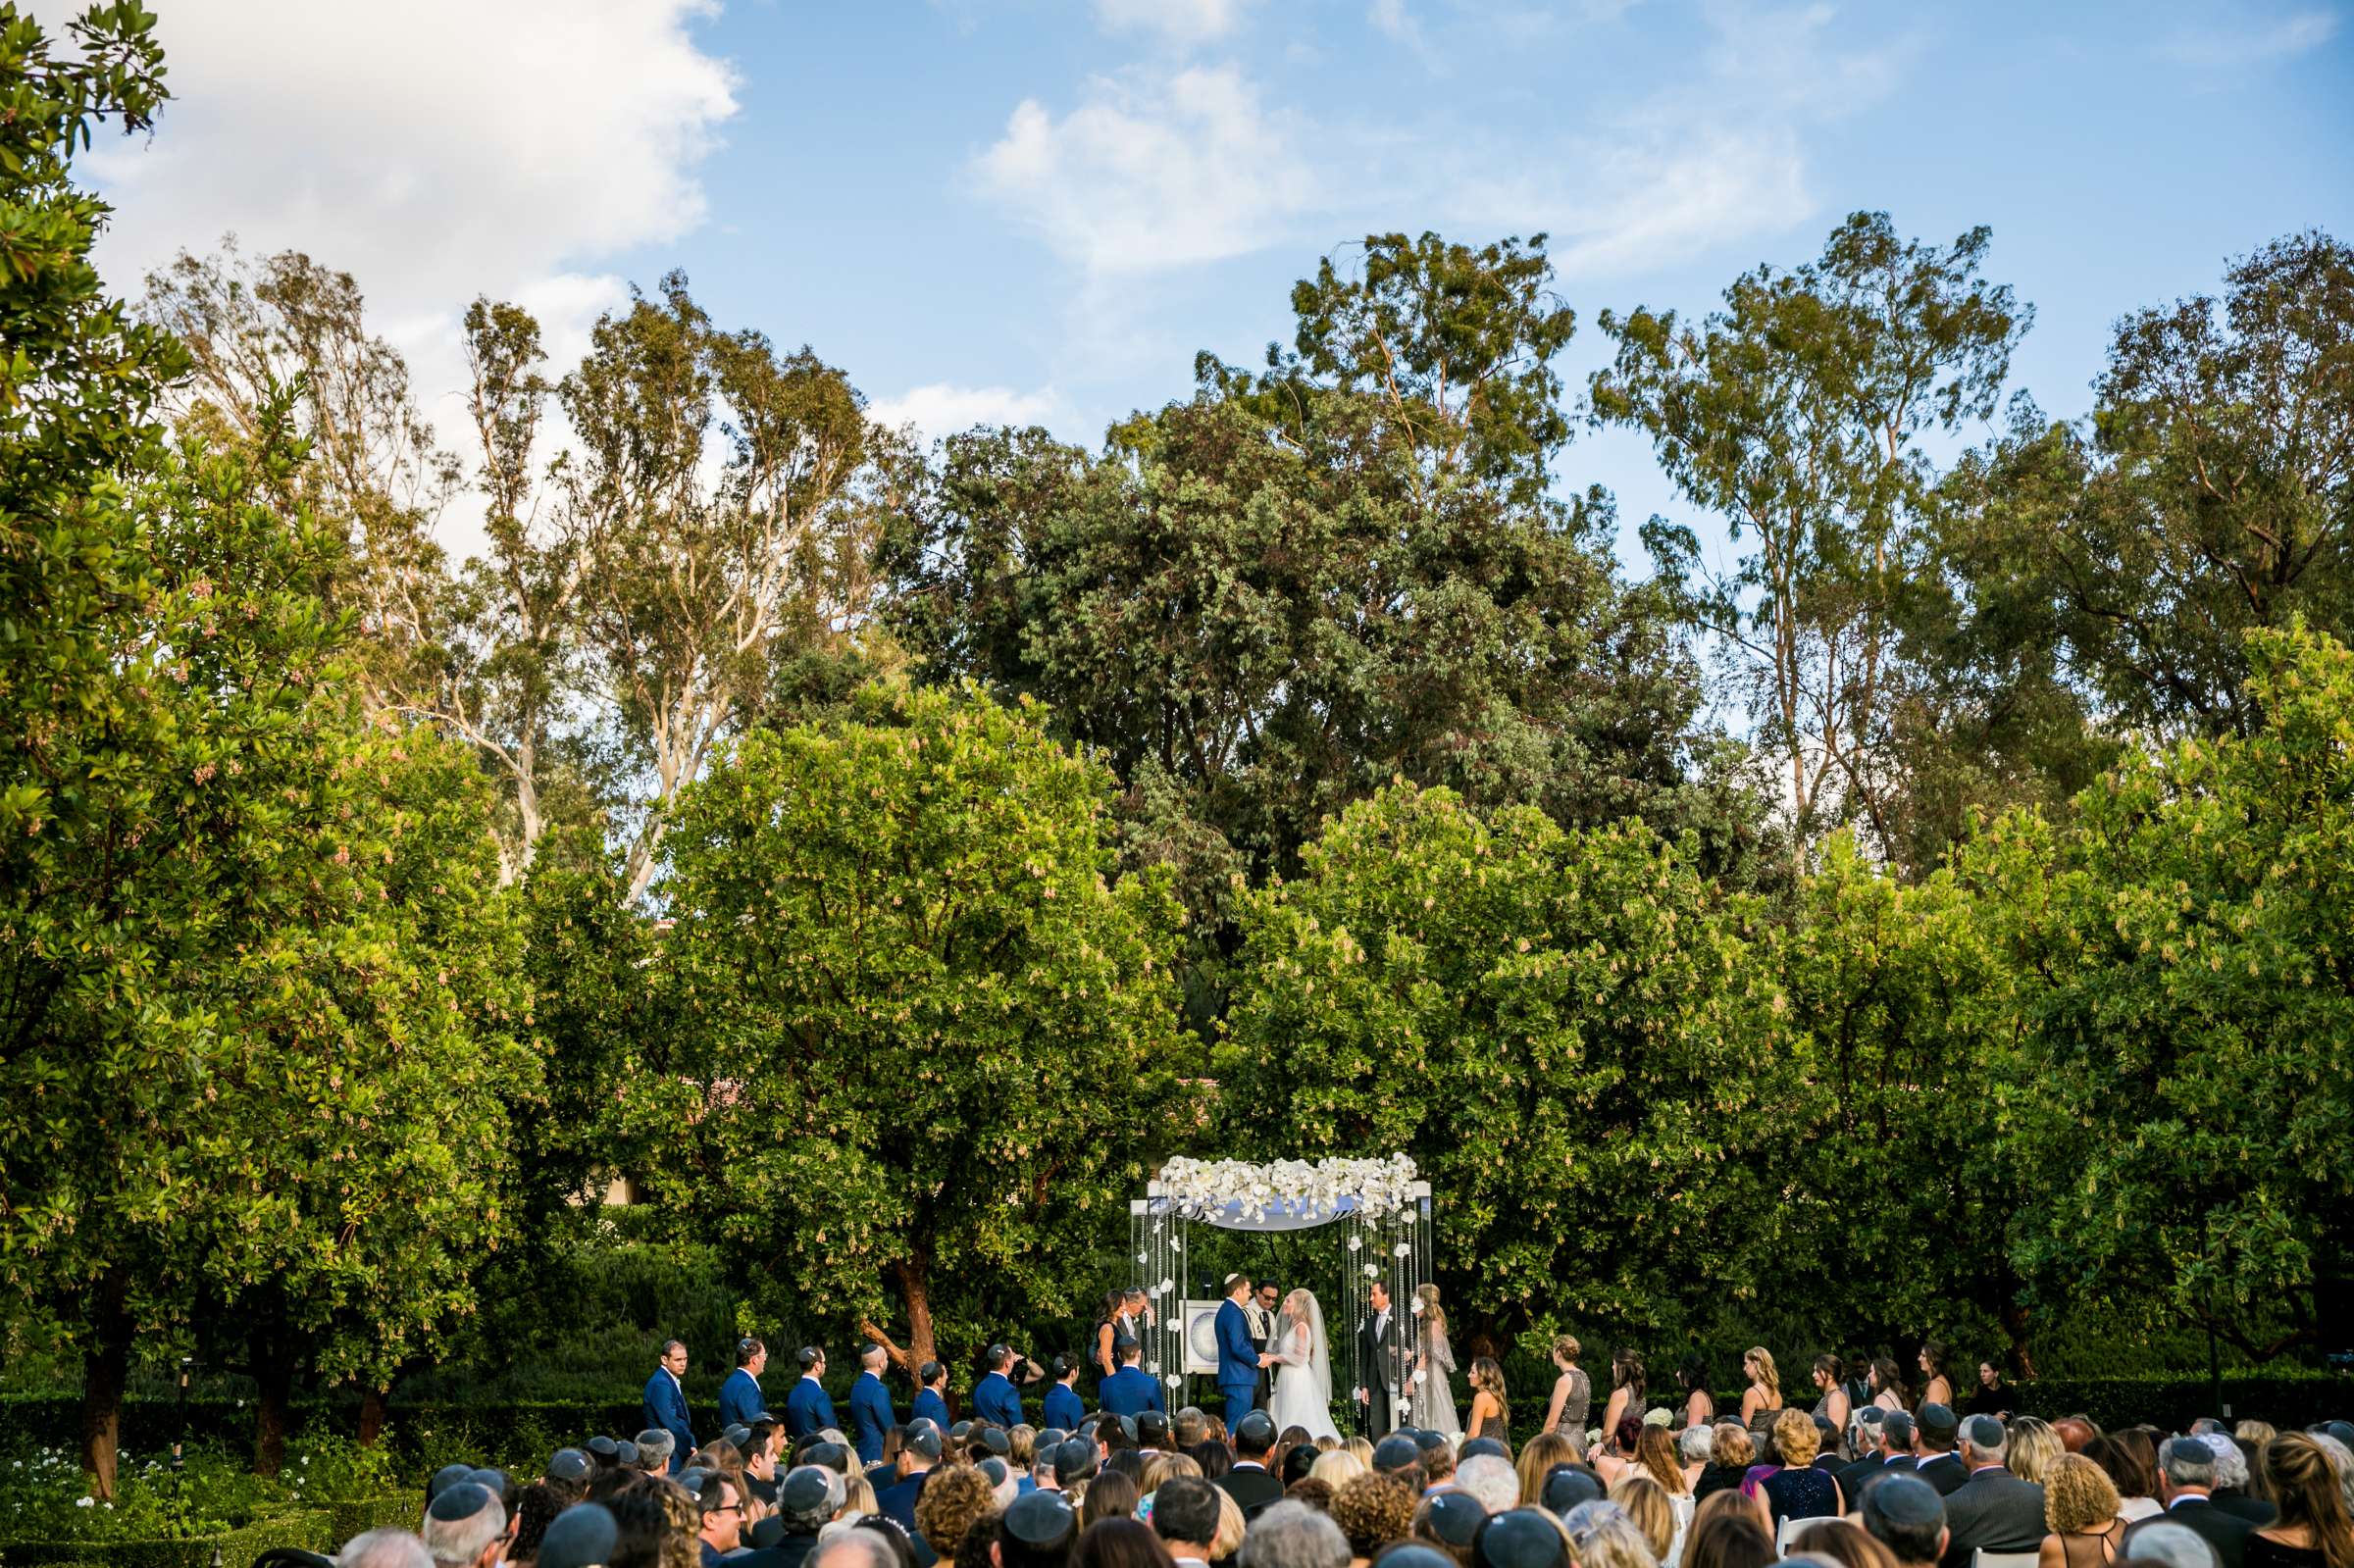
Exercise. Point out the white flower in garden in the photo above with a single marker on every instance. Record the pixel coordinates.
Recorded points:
(84, 1501)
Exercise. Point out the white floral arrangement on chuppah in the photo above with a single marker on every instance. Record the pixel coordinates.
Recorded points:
(1378, 1186)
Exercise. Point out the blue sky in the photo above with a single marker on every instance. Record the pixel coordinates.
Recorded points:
(1033, 209)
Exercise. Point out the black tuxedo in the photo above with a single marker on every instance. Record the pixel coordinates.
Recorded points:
(1262, 1334)
(2255, 1510)
(1946, 1471)
(2226, 1533)
(1993, 1510)
(1380, 1360)
(1854, 1477)
(1252, 1490)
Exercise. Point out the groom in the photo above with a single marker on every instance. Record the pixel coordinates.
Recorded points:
(1238, 1357)
(1381, 1351)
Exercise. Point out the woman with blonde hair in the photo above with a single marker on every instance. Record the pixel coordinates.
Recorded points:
(1796, 1490)
(2315, 1529)
(1231, 1528)
(2034, 1448)
(1765, 1393)
(2081, 1508)
(1729, 1457)
(1361, 1446)
(1573, 1395)
(1648, 1506)
(1338, 1467)
(1538, 1459)
(1430, 1406)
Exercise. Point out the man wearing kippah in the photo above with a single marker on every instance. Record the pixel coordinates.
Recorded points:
(808, 1408)
(1993, 1510)
(740, 1401)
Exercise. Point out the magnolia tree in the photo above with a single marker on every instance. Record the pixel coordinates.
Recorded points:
(933, 1039)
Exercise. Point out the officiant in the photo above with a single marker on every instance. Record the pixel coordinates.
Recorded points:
(1260, 1310)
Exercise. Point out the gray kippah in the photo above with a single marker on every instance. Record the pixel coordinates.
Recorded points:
(1984, 1431)
(1905, 1501)
(460, 1500)
(581, 1537)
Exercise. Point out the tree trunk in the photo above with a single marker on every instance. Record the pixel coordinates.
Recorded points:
(105, 1367)
(914, 1276)
(2015, 1324)
(274, 1376)
(371, 1415)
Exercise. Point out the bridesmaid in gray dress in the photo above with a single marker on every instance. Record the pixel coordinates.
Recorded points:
(1433, 1402)
(1573, 1394)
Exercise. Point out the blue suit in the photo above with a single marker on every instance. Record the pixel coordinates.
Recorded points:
(870, 1416)
(1129, 1393)
(666, 1407)
(740, 1401)
(930, 1406)
(995, 1399)
(807, 1408)
(1238, 1363)
(1063, 1408)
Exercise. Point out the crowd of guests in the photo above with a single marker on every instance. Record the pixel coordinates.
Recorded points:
(1928, 1487)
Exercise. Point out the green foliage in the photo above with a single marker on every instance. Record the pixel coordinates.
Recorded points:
(1565, 1029)
(2186, 1033)
(932, 1037)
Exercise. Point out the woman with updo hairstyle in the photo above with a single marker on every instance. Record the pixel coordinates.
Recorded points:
(1729, 1459)
(1372, 1511)
(1764, 1395)
(1796, 1490)
(2079, 1508)
(1573, 1395)
(2315, 1529)
(1888, 1390)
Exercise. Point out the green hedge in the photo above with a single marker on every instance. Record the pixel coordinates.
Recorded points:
(311, 1529)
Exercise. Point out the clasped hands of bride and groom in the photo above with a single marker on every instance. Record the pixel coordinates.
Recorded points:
(1303, 1363)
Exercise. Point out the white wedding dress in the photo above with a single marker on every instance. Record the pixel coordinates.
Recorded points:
(1302, 1395)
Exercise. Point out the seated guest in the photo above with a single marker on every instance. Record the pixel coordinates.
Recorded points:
(2132, 1471)
(1694, 1447)
(1249, 1482)
(465, 1526)
(1129, 1391)
(1292, 1535)
(1538, 1456)
(1604, 1536)
(1490, 1478)
(1112, 1494)
(1035, 1531)
(2313, 1528)
(1992, 1510)
(1372, 1511)
(721, 1507)
(1119, 1542)
(1185, 1516)
(1933, 1458)
(2080, 1505)
(2232, 1480)
(951, 1503)
(1730, 1454)
(1903, 1513)
(1796, 1489)
(1893, 1456)
(2166, 1544)
(2186, 1477)
(1446, 1521)
(2035, 1447)
(1647, 1506)
(1841, 1543)
(1728, 1536)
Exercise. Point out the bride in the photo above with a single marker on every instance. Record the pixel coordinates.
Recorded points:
(1302, 1395)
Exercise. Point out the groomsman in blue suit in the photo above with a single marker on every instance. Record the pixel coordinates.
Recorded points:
(807, 1408)
(1239, 1355)
(666, 1401)
(740, 1401)
(870, 1405)
(932, 1398)
(1129, 1391)
(1063, 1409)
(995, 1397)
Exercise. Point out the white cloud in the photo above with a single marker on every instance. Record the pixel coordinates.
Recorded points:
(1183, 23)
(436, 150)
(1390, 18)
(942, 407)
(1152, 171)
(2253, 44)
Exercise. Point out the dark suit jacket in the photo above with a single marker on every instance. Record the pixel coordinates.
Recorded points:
(1381, 1363)
(995, 1398)
(1129, 1393)
(1252, 1490)
(2226, 1533)
(1993, 1510)
(1854, 1477)
(2255, 1510)
(898, 1499)
(931, 1407)
(1945, 1472)
(808, 1408)
(870, 1416)
(740, 1398)
(1063, 1408)
(666, 1407)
